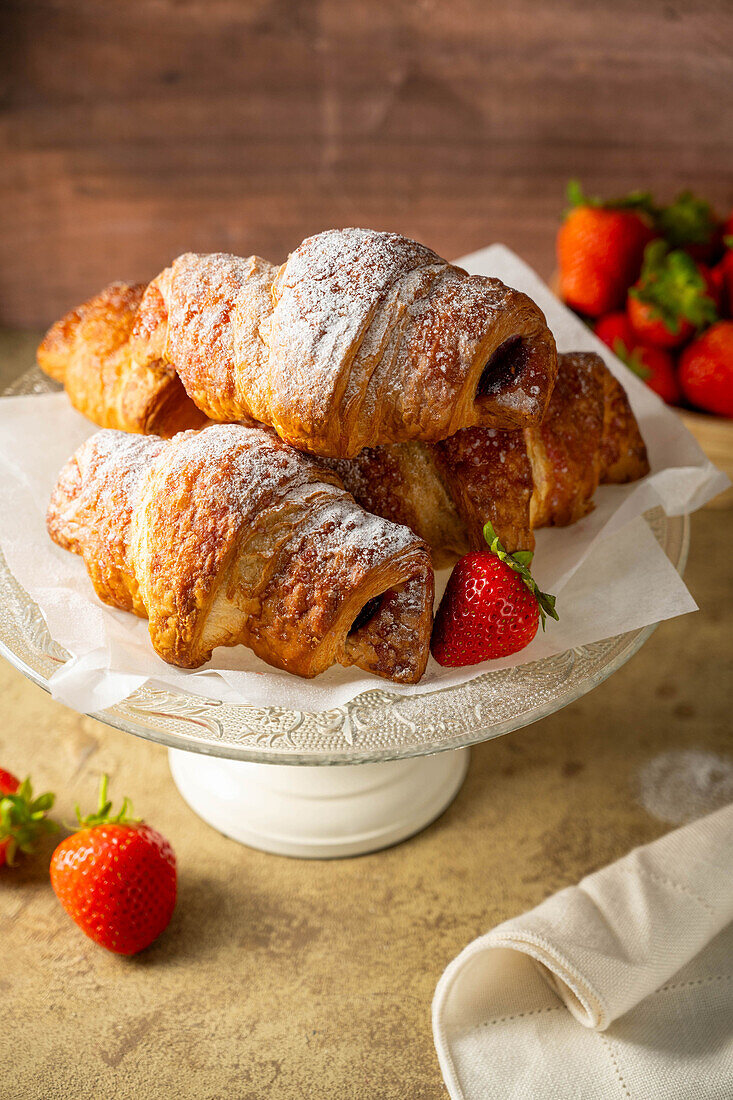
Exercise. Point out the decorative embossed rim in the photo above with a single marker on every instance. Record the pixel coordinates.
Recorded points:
(375, 726)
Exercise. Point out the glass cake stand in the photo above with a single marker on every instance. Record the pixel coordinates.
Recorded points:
(248, 770)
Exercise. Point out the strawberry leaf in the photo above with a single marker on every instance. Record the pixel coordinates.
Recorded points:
(23, 820)
(672, 285)
(688, 220)
(619, 348)
(575, 197)
(641, 201)
(520, 562)
(634, 361)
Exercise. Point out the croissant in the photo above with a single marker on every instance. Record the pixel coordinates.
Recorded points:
(543, 476)
(228, 536)
(360, 338)
(88, 350)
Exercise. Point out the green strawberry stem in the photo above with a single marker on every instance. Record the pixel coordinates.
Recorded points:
(671, 284)
(104, 815)
(641, 201)
(633, 359)
(520, 562)
(688, 220)
(23, 819)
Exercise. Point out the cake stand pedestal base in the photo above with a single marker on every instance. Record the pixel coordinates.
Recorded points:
(319, 812)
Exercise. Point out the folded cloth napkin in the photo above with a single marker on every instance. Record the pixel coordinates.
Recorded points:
(640, 954)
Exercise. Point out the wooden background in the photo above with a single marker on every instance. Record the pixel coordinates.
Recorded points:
(132, 131)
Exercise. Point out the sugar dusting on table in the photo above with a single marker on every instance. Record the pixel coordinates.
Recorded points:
(682, 785)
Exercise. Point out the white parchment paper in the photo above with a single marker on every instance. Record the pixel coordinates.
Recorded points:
(608, 572)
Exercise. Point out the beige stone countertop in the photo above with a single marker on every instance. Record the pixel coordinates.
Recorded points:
(294, 978)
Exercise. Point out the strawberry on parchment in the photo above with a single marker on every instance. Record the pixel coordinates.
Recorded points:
(22, 817)
(491, 606)
(671, 299)
(706, 370)
(600, 247)
(116, 878)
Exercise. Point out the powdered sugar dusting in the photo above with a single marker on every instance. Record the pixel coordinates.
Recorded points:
(326, 298)
(253, 467)
(227, 535)
(339, 349)
(682, 785)
(120, 458)
(332, 282)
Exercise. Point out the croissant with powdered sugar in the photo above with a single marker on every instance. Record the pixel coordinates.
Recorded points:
(360, 338)
(542, 476)
(89, 351)
(228, 536)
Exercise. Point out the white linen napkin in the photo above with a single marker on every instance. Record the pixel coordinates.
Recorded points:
(619, 987)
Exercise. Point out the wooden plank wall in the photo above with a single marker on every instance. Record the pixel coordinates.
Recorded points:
(132, 131)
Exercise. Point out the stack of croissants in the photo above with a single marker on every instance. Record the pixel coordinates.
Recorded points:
(287, 451)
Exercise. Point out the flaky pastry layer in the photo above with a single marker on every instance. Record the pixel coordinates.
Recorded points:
(544, 475)
(89, 352)
(228, 536)
(360, 338)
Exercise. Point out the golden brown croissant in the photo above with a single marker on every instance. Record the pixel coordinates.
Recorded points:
(88, 350)
(360, 338)
(229, 536)
(545, 475)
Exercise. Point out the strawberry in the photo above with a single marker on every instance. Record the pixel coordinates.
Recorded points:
(655, 367)
(116, 877)
(670, 300)
(8, 782)
(599, 250)
(706, 370)
(490, 608)
(692, 224)
(649, 328)
(22, 817)
(722, 275)
(714, 279)
(615, 330)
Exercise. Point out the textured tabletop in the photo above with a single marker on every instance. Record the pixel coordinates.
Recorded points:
(287, 978)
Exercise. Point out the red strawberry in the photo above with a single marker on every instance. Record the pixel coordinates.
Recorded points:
(8, 782)
(714, 279)
(490, 608)
(599, 251)
(656, 368)
(722, 275)
(22, 817)
(116, 878)
(649, 328)
(670, 300)
(615, 330)
(706, 370)
(692, 224)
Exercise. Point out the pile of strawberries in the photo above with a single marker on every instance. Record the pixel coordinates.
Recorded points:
(656, 282)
